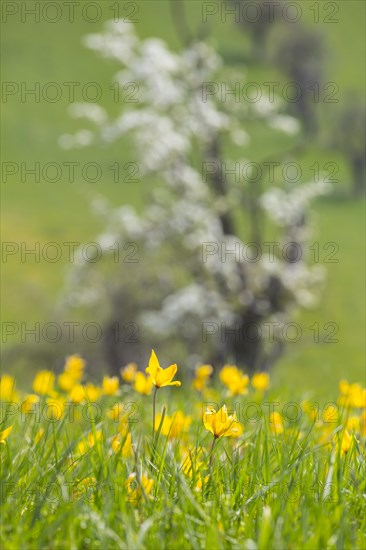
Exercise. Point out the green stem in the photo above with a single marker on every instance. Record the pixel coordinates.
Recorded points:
(55, 441)
(154, 409)
(211, 451)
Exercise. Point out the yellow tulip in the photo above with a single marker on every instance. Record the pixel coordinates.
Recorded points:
(234, 379)
(173, 426)
(7, 388)
(110, 385)
(74, 367)
(39, 435)
(43, 382)
(161, 377)
(128, 372)
(56, 408)
(66, 382)
(91, 392)
(29, 401)
(136, 489)
(221, 423)
(143, 384)
(260, 381)
(345, 442)
(202, 374)
(122, 444)
(276, 423)
(77, 394)
(4, 434)
(227, 373)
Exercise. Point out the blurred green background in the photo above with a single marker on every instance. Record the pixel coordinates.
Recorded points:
(43, 212)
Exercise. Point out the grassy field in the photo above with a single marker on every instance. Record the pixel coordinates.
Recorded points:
(82, 467)
(43, 212)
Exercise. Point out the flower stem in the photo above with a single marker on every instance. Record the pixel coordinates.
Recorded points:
(55, 441)
(154, 408)
(211, 451)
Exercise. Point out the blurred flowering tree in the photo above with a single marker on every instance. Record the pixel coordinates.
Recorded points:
(184, 290)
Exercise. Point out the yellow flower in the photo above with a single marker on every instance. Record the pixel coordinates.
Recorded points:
(110, 385)
(174, 425)
(122, 444)
(39, 435)
(189, 465)
(354, 424)
(74, 367)
(276, 423)
(345, 442)
(55, 408)
(352, 395)
(91, 392)
(202, 374)
(143, 384)
(227, 372)
(116, 412)
(260, 381)
(29, 401)
(83, 446)
(92, 439)
(65, 381)
(221, 423)
(311, 410)
(43, 382)
(128, 372)
(161, 377)
(77, 394)
(4, 434)
(136, 489)
(7, 388)
(234, 379)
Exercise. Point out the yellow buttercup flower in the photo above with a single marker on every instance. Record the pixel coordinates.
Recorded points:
(221, 423)
(4, 434)
(7, 388)
(143, 384)
(161, 377)
(260, 381)
(110, 385)
(173, 426)
(43, 382)
(128, 372)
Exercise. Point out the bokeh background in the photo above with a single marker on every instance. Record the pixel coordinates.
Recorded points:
(42, 212)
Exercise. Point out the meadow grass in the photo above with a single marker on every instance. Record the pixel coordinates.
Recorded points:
(87, 472)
